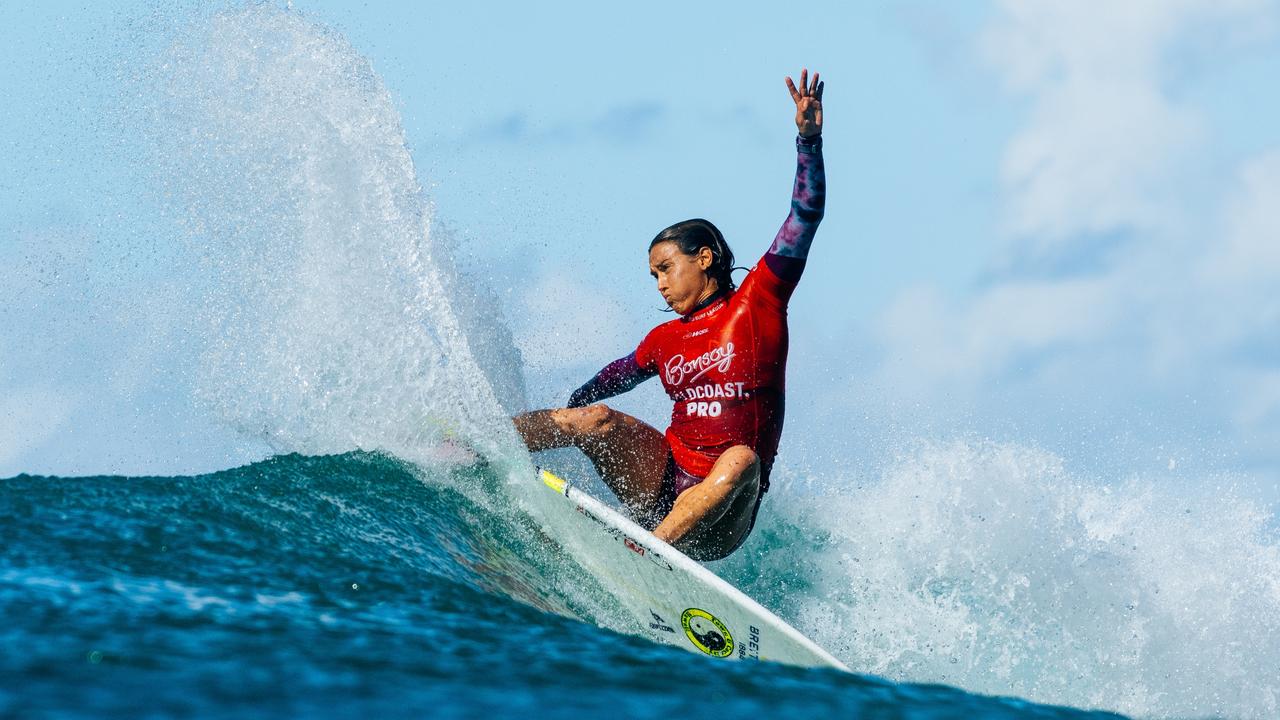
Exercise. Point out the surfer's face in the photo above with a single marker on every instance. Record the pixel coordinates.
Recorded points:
(682, 279)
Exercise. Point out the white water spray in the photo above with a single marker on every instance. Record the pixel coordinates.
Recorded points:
(335, 317)
(992, 568)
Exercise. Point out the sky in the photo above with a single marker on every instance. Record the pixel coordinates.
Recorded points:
(1051, 224)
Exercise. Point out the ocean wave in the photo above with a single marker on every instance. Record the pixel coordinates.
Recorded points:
(341, 584)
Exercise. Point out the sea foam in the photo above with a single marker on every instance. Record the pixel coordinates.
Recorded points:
(994, 568)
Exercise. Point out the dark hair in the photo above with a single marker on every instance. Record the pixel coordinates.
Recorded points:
(693, 235)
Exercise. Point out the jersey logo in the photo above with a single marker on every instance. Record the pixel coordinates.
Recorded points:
(678, 370)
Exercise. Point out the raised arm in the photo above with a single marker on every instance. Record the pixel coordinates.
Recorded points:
(808, 197)
(616, 378)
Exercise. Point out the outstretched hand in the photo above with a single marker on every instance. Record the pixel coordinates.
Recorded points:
(808, 100)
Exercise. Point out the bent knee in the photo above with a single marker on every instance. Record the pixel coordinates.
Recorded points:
(741, 464)
(741, 455)
(592, 420)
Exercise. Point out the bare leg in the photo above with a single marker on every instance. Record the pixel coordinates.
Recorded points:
(710, 519)
(630, 455)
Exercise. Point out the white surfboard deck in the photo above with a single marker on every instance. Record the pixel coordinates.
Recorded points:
(680, 602)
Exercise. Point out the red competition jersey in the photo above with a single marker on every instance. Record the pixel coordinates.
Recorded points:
(724, 365)
(725, 368)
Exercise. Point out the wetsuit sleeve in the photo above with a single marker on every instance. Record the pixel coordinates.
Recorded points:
(786, 257)
(616, 378)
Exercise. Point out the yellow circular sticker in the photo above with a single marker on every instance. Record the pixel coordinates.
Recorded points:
(707, 633)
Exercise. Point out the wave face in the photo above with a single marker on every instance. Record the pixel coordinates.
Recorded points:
(343, 586)
(359, 571)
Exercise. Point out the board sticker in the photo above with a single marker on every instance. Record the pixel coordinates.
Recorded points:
(707, 633)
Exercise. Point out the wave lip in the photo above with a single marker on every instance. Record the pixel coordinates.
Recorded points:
(331, 315)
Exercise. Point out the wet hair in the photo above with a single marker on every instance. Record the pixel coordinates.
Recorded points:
(693, 235)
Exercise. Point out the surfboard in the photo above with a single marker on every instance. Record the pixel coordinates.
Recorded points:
(675, 600)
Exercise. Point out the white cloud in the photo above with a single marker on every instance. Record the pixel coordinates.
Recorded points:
(1238, 277)
(936, 344)
(1181, 306)
(1105, 133)
(1251, 251)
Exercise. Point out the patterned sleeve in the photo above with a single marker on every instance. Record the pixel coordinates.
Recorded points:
(786, 257)
(616, 378)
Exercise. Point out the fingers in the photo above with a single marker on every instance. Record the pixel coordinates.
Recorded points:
(795, 94)
(807, 88)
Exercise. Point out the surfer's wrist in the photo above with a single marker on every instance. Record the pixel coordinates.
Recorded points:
(810, 144)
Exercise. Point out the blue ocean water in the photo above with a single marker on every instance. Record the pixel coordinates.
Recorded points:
(346, 586)
(306, 300)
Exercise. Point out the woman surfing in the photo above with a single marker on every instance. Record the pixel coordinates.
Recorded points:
(698, 486)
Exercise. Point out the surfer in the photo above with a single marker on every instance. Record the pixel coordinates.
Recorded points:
(722, 361)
